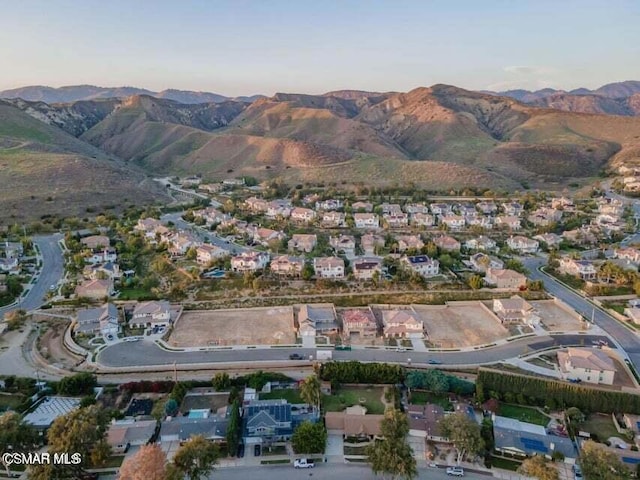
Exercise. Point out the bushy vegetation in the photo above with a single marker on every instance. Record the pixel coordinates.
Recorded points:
(356, 372)
(438, 382)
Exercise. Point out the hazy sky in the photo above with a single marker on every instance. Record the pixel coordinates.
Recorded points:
(245, 47)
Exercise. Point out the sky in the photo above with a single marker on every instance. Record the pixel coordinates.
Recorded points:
(242, 47)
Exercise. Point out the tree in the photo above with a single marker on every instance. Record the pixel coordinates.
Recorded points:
(221, 381)
(171, 407)
(475, 282)
(310, 390)
(233, 429)
(148, 463)
(540, 468)
(598, 463)
(196, 458)
(464, 433)
(392, 455)
(16, 435)
(309, 438)
(78, 384)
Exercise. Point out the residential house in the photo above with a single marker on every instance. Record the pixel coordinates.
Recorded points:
(422, 219)
(563, 203)
(108, 254)
(264, 236)
(249, 261)
(104, 270)
(611, 206)
(123, 434)
(545, 216)
(303, 242)
(511, 222)
(206, 253)
(551, 239)
(512, 208)
(523, 244)
(454, 222)
(481, 262)
(12, 249)
(416, 208)
(181, 242)
(447, 243)
(328, 267)
(580, 236)
(343, 244)
(387, 208)
(630, 254)
(354, 423)
(151, 314)
(321, 316)
(583, 269)
(10, 265)
(467, 210)
(396, 219)
(514, 310)
(482, 242)
(279, 209)
(95, 242)
(330, 204)
(359, 321)
(365, 207)
(424, 422)
(102, 320)
(302, 215)
(409, 242)
(370, 243)
(487, 207)
(270, 421)
(286, 265)
(523, 439)
(211, 216)
(505, 278)
(149, 227)
(366, 220)
(441, 209)
(256, 205)
(402, 324)
(590, 365)
(480, 221)
(95, 289)
(180, 429)
(365, 268)
(333, 219)
(422, 265)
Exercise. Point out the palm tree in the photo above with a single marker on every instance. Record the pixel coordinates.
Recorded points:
(310, 390)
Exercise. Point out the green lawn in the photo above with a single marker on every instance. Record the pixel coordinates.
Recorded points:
(274, 450)
(505, 463)
(422, 398)
(127, 293)
(524, 414)
(601, 425)
(289, 394)
(347, 397)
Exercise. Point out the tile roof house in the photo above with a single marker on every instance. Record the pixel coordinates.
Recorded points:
(354, 422)
(365, 207)
(441, 208)
(359, 321)
(416, 208)
(321, 316)
(396, 219)
(302, 242)
(587, 364)
(408, 242)
(481, 243)
(513, 208)
(279, 208)
(301, 214)
(343, 243)
(264, 236)
(328, 267)
(95, 242)
(512, 310)
(123, 434)
(523, 244)
(95, 289)
(287, 265)
(526, 439)
(365, 268)
(422, 219)
(551, 239)
(402, 323)
(206, 253)
(454, 222)
(103, 320)
(371, 242)
(153, 313)
(422, 265)
(333, 219)
(330, 204)
(511, 222)
(481, 262)
(424, 422)
(583, 269)
(366, 220)
(630, 253)
(255, 204)
(487, 207)
(447, 243)
(249, 261)
(505, 278)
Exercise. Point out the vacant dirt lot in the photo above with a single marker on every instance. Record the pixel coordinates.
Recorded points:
(254, 326)
(456, 326)
(554, 317)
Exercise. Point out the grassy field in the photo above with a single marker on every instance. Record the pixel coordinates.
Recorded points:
(601, 425)
(422, 398)
(347, 397)
(289, 394)
(524, 414)
(132, 293)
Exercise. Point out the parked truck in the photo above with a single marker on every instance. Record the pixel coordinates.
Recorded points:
(303, 463)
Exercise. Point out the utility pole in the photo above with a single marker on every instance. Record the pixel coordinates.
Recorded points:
(175, 372)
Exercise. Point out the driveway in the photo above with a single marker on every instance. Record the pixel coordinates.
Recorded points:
(335, 445)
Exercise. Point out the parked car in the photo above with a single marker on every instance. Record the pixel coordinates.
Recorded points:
(256, 450)
(433, 361)
(455, 471)
(577, 472)
(303, 463)
(296, 356)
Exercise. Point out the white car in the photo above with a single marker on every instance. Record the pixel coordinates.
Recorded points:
(303, 463)
(455, 471)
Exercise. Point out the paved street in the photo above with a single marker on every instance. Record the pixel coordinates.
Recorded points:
(627, 339)
(202, 233)
(323, 472)
(147, 353)
(51, 273)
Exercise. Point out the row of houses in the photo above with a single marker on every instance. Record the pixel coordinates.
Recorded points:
(106, 319)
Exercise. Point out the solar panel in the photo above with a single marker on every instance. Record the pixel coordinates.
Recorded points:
(631, 460)
(534, 444)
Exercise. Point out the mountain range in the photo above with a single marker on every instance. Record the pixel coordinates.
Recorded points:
(440, 138)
